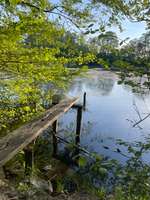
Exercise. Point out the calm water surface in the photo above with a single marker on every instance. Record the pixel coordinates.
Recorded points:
(110, 113)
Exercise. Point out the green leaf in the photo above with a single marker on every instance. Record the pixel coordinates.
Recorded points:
(82, 161)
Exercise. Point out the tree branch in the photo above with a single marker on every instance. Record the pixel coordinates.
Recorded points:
(51, 10)
(36, 7)
(141, 120)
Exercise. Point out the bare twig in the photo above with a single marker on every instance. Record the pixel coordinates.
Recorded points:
(137, 123)
(137, 110)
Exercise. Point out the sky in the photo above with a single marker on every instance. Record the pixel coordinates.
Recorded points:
(131, 29)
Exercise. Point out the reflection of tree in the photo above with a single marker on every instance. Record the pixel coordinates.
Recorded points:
(77, 85)
(105, 85)
(97, 84)
(139, 92)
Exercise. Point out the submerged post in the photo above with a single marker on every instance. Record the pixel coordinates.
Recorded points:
(55, 142)
(84, 100)
(78, 132)
(78, 126)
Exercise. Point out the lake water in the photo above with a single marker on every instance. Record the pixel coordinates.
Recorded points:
(111, 112)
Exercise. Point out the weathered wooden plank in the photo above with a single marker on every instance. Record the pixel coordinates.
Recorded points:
(10, 145)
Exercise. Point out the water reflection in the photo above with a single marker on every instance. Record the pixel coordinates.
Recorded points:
(93, 82)
(111, 111)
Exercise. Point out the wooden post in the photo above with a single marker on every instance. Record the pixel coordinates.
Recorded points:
(78, 126)
(84, 100)
(28, 161)
(55, 100)
(78, 131)
(55, 146)
(29, 158)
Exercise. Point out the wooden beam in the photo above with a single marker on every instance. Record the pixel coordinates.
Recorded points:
(14, 142)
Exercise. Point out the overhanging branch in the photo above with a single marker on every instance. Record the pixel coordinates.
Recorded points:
(51, 10)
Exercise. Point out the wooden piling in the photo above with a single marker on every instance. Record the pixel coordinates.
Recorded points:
(55, 142)
(28, 161)
(29, 158)
(78, 125)
(84, 100)
(78, 132)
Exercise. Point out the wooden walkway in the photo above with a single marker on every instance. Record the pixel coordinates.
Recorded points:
(16, 141)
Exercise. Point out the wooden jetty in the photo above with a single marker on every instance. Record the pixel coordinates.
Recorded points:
(21, 138)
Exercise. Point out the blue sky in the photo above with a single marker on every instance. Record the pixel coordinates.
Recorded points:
(131, 29)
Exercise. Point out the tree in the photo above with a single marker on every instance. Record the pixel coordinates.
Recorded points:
(107, 42)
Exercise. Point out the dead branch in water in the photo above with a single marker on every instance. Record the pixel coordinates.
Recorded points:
(141, 120)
